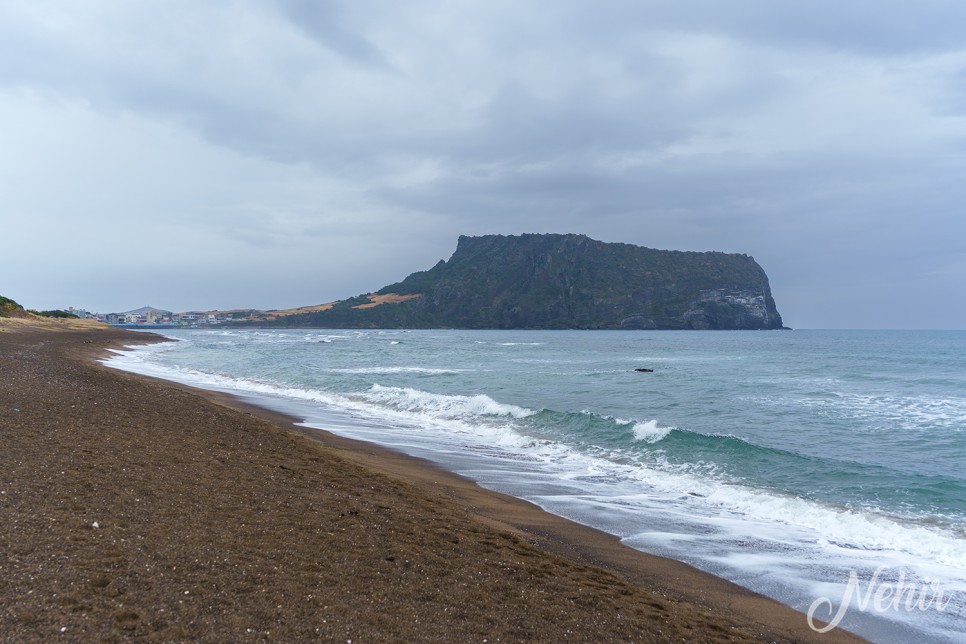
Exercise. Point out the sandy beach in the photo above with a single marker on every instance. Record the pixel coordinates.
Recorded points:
(132, 508)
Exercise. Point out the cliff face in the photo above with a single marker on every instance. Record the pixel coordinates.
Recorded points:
(565, 282)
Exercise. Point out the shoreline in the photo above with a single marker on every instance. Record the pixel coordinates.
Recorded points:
(653, 599)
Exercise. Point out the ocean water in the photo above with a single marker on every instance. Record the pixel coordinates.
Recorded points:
(788, 462)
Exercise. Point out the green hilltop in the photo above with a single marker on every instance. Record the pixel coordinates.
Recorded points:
(539, 281)
(9, 308)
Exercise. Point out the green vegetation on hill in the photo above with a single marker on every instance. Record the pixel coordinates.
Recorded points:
(9, 308)
(55, 314)
(567, 282)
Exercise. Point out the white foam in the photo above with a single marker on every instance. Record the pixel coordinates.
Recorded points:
(650, 432)
(411, 407)
(392, 370)
(878, 413)
(442, 406)
(860, 529)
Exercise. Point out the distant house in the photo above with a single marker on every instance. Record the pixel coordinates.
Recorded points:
(143, 315)
(148, 315)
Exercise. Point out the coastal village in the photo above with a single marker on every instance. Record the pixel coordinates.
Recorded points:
(150, 316)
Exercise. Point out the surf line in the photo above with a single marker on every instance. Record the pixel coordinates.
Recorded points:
(883, 596)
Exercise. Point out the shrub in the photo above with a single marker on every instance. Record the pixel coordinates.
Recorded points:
(55, 314)
(8, 307)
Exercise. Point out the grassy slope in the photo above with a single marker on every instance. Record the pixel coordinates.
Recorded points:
(10, 309)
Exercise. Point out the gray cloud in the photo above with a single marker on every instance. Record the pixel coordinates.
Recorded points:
(289, 153)
(864, 26)
(321, 20)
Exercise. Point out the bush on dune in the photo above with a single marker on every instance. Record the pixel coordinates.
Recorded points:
(55, 314)
(9, 308)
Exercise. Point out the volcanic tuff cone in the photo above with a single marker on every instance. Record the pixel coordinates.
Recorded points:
(564, 282)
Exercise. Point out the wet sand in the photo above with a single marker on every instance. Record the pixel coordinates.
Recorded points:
(132, 508)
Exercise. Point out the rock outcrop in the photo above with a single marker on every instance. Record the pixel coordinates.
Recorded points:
(565, 282)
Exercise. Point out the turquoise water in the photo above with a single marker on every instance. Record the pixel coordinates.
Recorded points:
(782, 460)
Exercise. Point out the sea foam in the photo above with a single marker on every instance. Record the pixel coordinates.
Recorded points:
(650, 432)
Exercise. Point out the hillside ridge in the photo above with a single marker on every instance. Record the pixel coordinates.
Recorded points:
(562, 281)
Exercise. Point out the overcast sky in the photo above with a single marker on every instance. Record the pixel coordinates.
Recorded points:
(195, 155)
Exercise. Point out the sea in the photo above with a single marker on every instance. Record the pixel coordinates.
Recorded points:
(825, 469)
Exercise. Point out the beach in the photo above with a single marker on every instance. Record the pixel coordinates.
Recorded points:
(134, 508)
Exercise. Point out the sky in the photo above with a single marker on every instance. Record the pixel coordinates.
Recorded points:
(202, 154)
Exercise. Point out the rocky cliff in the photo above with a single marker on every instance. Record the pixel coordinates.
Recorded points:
(565, 282)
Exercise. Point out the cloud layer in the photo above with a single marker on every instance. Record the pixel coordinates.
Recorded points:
(196, 155)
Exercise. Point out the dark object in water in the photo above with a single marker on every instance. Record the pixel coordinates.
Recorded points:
(643, 370)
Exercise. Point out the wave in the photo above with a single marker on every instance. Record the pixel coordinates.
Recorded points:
(650, 432)
(721, 463)
(277, 337)
(859, 528)
(884, 413)
(699, 473)
(394, 370)
(442, 406)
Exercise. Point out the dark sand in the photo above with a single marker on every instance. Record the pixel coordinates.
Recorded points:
(220, 522)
